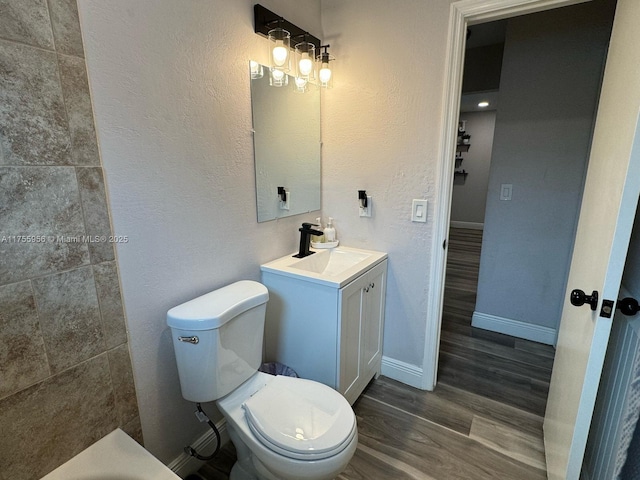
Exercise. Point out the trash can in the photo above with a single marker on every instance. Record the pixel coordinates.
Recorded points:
(276, 368)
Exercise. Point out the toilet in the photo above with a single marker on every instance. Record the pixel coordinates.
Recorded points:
(282, 427)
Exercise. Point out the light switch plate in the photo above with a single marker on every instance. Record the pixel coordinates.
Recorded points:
(506, 189)
(419, 210)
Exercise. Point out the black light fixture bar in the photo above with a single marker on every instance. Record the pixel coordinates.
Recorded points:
(265, 20)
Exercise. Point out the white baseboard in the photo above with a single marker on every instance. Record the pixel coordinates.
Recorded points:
(402, 372)
(515, 328)
(469, 225)
(185, 464)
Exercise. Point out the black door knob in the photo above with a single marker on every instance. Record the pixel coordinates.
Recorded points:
(579, 298)
(628, 306)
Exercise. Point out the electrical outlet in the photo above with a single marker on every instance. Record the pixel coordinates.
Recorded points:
(366, 212)
(285, 205)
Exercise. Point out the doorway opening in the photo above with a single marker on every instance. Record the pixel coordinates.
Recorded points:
(516, 197)
(509, 370)
(461, 17)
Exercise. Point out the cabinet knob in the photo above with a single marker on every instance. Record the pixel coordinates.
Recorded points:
(372, 284)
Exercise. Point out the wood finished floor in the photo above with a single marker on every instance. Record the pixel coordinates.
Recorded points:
(484, 419)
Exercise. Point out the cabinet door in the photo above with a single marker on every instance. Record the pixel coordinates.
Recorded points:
(372, 324)
(351, 314)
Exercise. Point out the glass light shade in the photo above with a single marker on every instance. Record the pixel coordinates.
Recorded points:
(305, 61)
(278, 78)
(301, 85)
(256, 70)
(279, 49)
(326, 70)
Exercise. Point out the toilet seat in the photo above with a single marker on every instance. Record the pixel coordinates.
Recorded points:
(300, 419)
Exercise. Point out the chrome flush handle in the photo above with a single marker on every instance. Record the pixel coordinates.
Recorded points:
(194, 340)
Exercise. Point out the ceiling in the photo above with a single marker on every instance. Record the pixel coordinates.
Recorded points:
(469, 102)
(481, 35)
(487, 34)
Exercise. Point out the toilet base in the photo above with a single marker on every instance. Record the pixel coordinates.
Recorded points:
(245, 467)
(239, 473)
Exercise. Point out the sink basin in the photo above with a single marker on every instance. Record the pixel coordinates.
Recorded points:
(330, 262)
(336, 266)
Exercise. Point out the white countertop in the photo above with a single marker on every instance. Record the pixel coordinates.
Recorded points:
(334, 267)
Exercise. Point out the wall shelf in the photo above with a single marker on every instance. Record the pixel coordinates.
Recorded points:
(462, 146)
(460, 177)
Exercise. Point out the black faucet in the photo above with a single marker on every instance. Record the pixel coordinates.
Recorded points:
(305, 237)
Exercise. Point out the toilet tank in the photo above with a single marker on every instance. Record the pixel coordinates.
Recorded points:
(217, 339)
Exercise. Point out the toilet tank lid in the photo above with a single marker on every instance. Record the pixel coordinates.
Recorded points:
(214, 309)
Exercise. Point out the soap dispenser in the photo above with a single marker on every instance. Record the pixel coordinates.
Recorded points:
(318, 238)
(329, 231)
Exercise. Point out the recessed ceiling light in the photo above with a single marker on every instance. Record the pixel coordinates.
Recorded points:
(483, 104)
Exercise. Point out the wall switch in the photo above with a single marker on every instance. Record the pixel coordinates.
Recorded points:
(506, 190)
(419, 210)
(285, 205)
(366, 212)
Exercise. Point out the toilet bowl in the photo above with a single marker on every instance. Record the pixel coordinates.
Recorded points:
(289, 428)
(282, 427)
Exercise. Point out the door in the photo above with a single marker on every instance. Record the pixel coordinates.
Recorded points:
(351, 304)
(373, 322)
(606, 217)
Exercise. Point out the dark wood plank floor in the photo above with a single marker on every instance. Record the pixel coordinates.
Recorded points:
(483, 421)
(507, 369)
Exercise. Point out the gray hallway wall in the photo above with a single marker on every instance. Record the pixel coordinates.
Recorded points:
(550, 82)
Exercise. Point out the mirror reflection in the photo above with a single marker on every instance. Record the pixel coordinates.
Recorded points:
(286, 142)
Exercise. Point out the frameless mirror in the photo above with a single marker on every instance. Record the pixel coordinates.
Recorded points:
(286, 143)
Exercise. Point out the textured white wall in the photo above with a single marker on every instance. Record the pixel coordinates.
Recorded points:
(170, 86)
(381, 126)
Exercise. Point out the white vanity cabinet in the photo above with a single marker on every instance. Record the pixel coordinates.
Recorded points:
(361, 323)
(328, 331)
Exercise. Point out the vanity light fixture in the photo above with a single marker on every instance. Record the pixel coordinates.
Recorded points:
(305, 61)
(301, 85)
(278, 78)
(325, 69)
(310, 66)
(483, 104)
(256, 70)
(279, 49)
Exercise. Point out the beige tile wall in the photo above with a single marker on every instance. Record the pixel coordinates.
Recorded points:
(65, 371)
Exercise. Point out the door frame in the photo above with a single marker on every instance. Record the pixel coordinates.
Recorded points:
(462, 13)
